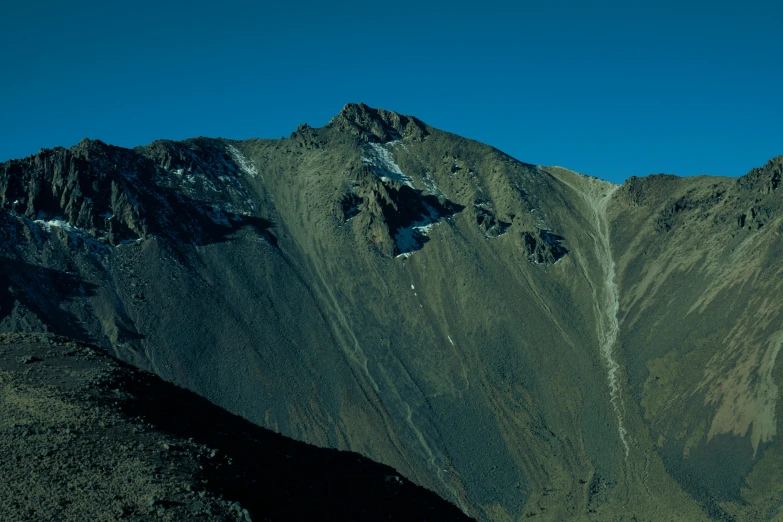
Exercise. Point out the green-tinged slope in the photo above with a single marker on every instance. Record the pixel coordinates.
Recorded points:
(461, 340)
(700, 320)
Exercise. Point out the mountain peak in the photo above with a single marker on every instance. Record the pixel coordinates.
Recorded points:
(87, 144)
(378, 125)
(764, 179)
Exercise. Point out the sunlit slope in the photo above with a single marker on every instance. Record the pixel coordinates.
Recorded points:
(700, 319)
(645, 489)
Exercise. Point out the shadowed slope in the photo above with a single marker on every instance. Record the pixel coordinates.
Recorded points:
(84, 436)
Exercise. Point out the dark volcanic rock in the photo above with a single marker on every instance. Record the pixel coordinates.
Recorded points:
(115, 195)
(648, 188)
(488, 222)
(92, 186)
(394, 212)
(669, 215)
(766, 179)
(378, 125)
(543, 247)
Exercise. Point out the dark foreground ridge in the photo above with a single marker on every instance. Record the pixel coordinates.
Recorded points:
(84, 436)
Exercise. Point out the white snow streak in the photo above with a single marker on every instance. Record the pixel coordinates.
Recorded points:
(59, 223)
(431, 186)
(380, 160)
(409, 238)
(73, 232)
(245, 165)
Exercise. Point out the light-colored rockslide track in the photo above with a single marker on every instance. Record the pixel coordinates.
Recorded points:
(606, 299)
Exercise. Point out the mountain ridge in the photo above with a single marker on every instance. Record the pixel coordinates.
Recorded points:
(527, 341)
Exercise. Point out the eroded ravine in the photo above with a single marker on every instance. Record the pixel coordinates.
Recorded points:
(606, 298)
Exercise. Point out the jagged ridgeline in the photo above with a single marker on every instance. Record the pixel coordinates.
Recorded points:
(526, 341)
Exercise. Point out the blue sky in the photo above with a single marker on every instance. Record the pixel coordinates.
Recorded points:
(612, 89)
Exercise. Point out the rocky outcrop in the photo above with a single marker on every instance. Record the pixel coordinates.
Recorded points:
(92, 186)
(671, 214)
(647, 189)
(488, 222)
(305, 138)
(543, 247)
(114, 195)
(391, 214)
(348, 206)
(764, 180)
(378, 125)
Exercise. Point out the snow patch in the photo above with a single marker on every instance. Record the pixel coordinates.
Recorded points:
(410, 238)
(431, 186)
(380, 160)
(59, 223)
(130, 242)
(245, 165)
(75, 234)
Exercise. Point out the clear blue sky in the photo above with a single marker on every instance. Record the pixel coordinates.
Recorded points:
(612, 90)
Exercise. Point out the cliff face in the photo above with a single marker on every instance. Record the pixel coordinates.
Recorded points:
(112, 196)
(525, 341)
(82, 187)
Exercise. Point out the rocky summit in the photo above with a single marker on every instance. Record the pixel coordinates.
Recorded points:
(524, 341)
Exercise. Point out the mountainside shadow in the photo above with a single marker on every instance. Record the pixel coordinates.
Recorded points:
(41, 292)
(275, 477)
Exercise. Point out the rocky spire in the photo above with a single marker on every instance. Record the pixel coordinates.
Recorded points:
(764, 179)
(378, 125)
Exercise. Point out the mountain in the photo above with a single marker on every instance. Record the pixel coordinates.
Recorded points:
(526, 341)
(86, 437)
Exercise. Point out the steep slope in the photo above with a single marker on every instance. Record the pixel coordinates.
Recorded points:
(700, 326)
(644, 488)
(482, 325)
(84, 437)
(597, 194)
